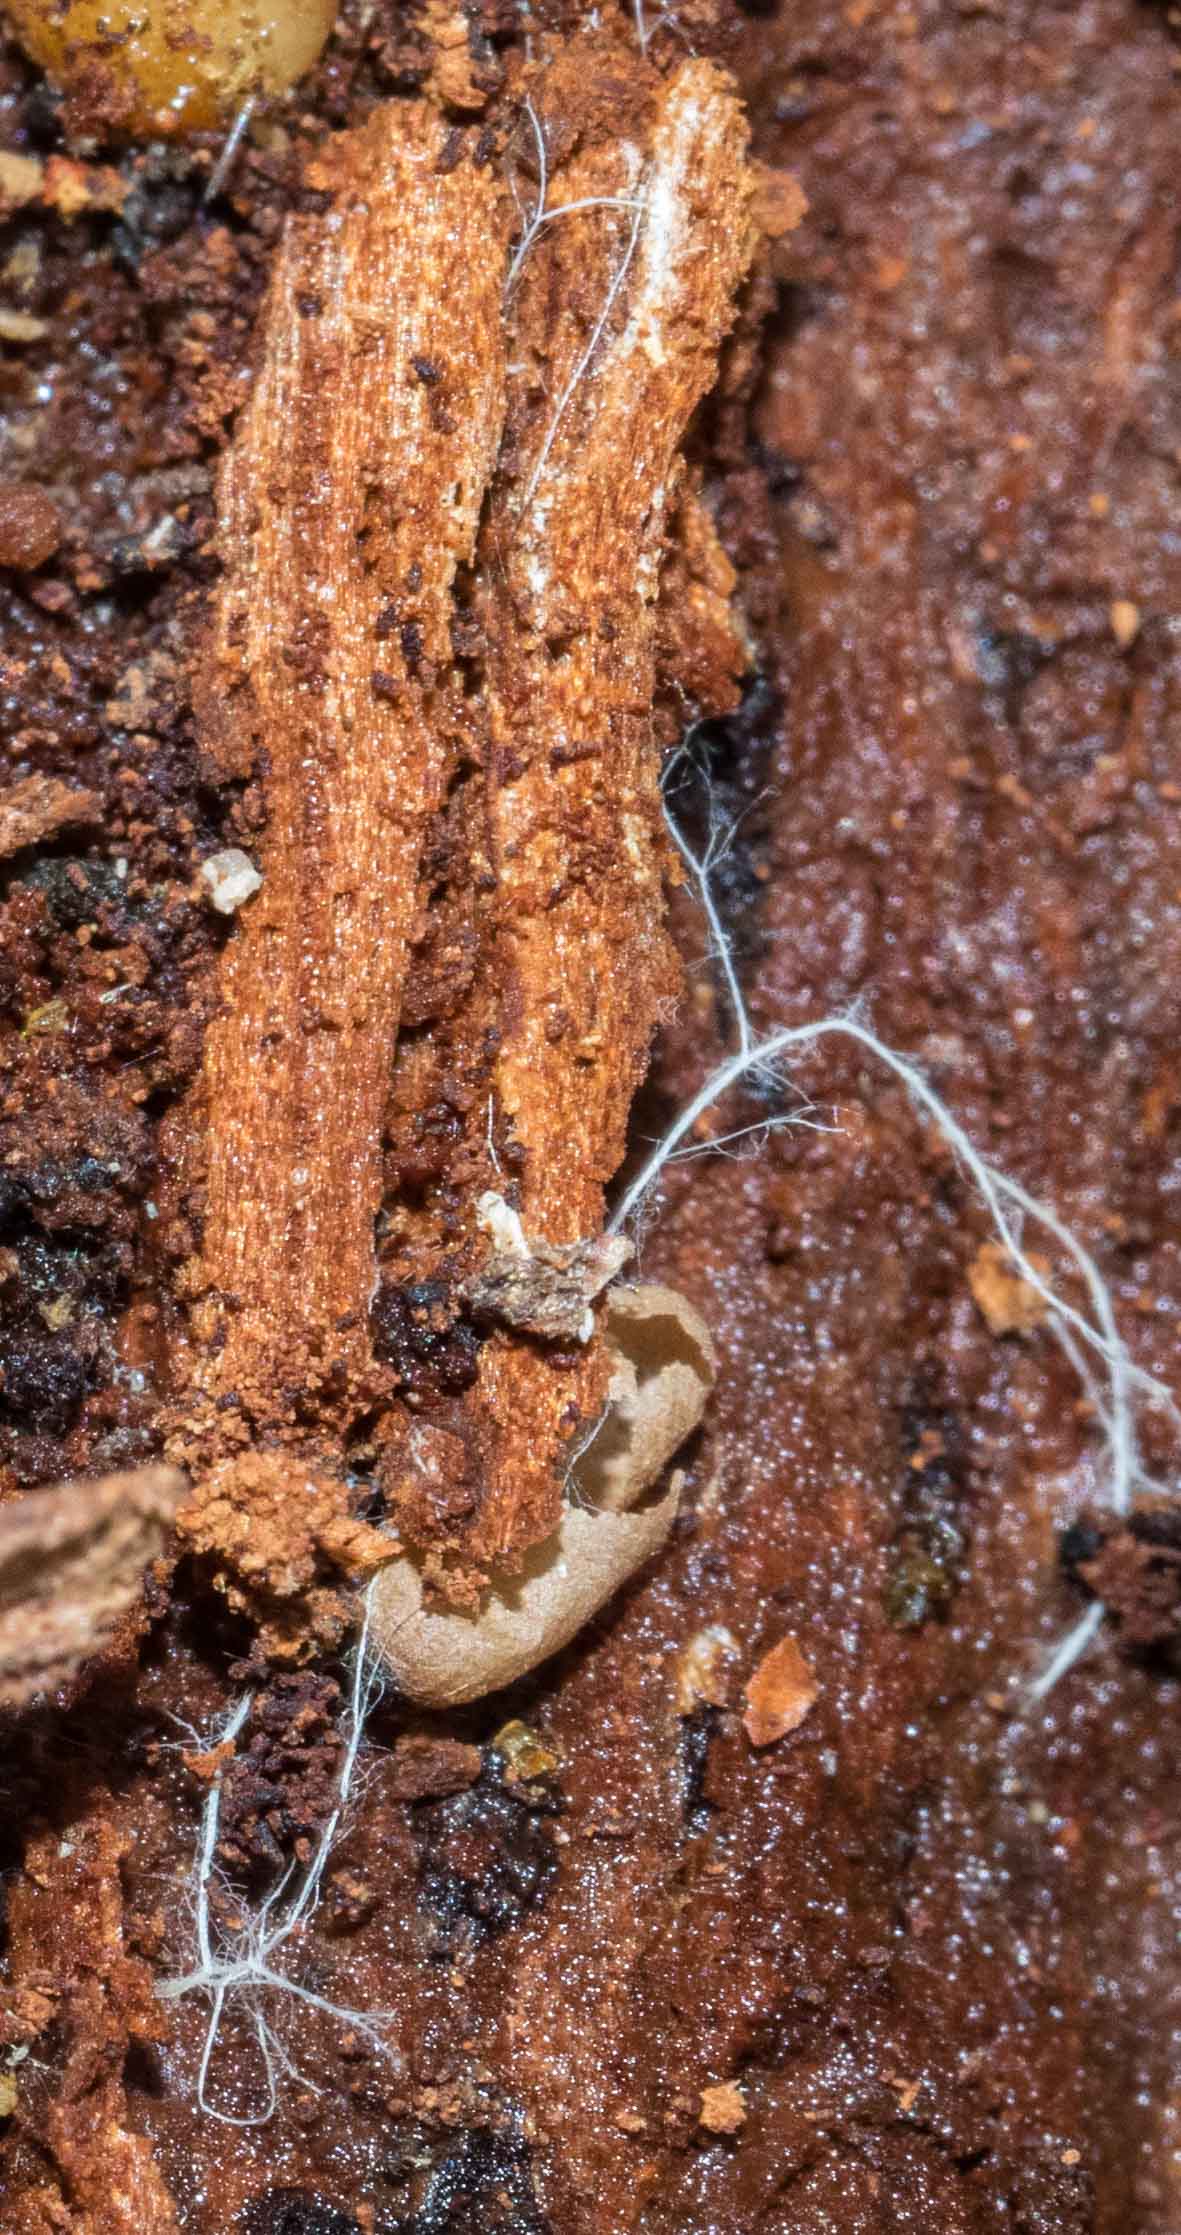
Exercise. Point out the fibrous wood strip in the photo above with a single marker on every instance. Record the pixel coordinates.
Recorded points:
(348, 498)
(599, 406)
(581, 523)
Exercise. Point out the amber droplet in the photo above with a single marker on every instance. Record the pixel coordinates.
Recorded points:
(173, 65)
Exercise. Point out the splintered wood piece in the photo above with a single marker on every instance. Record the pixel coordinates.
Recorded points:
(72, 1563)
(347, 500)
(599, 402)
(578, 834)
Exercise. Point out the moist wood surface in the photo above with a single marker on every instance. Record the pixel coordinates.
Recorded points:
(931, 1947)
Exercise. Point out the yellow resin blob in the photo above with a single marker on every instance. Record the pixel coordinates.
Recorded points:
(174, 65)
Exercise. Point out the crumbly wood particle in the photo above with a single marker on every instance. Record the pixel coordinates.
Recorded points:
(1008, 1302)
(722, 2109)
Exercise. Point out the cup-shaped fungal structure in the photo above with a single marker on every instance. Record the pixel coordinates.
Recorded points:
(664, 1366)
(164, 66)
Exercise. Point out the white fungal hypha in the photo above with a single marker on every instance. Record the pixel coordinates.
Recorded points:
(247, 1958)
(1090, 1340)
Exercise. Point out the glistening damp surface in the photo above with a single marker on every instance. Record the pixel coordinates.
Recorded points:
(934, 1940)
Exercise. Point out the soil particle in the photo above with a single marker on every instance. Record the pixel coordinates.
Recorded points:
(278, 1793)
(486, 1855)
(419, 1329)
(30, 530)
(294, 2211)
(1135, 1569)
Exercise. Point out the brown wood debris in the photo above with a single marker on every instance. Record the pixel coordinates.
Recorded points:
(573, 966)
(72, 1565)
(348, 499)
(435, 653)
(69, 1962)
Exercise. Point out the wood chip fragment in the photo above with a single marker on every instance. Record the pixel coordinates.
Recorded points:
(780, 201)
(1008, 1302)
(21, 325)
(72, 1562)
(68, 1901)
(37, 807)
(429, 1768)
(347, 500)
(60, 184)
(779, 1695)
